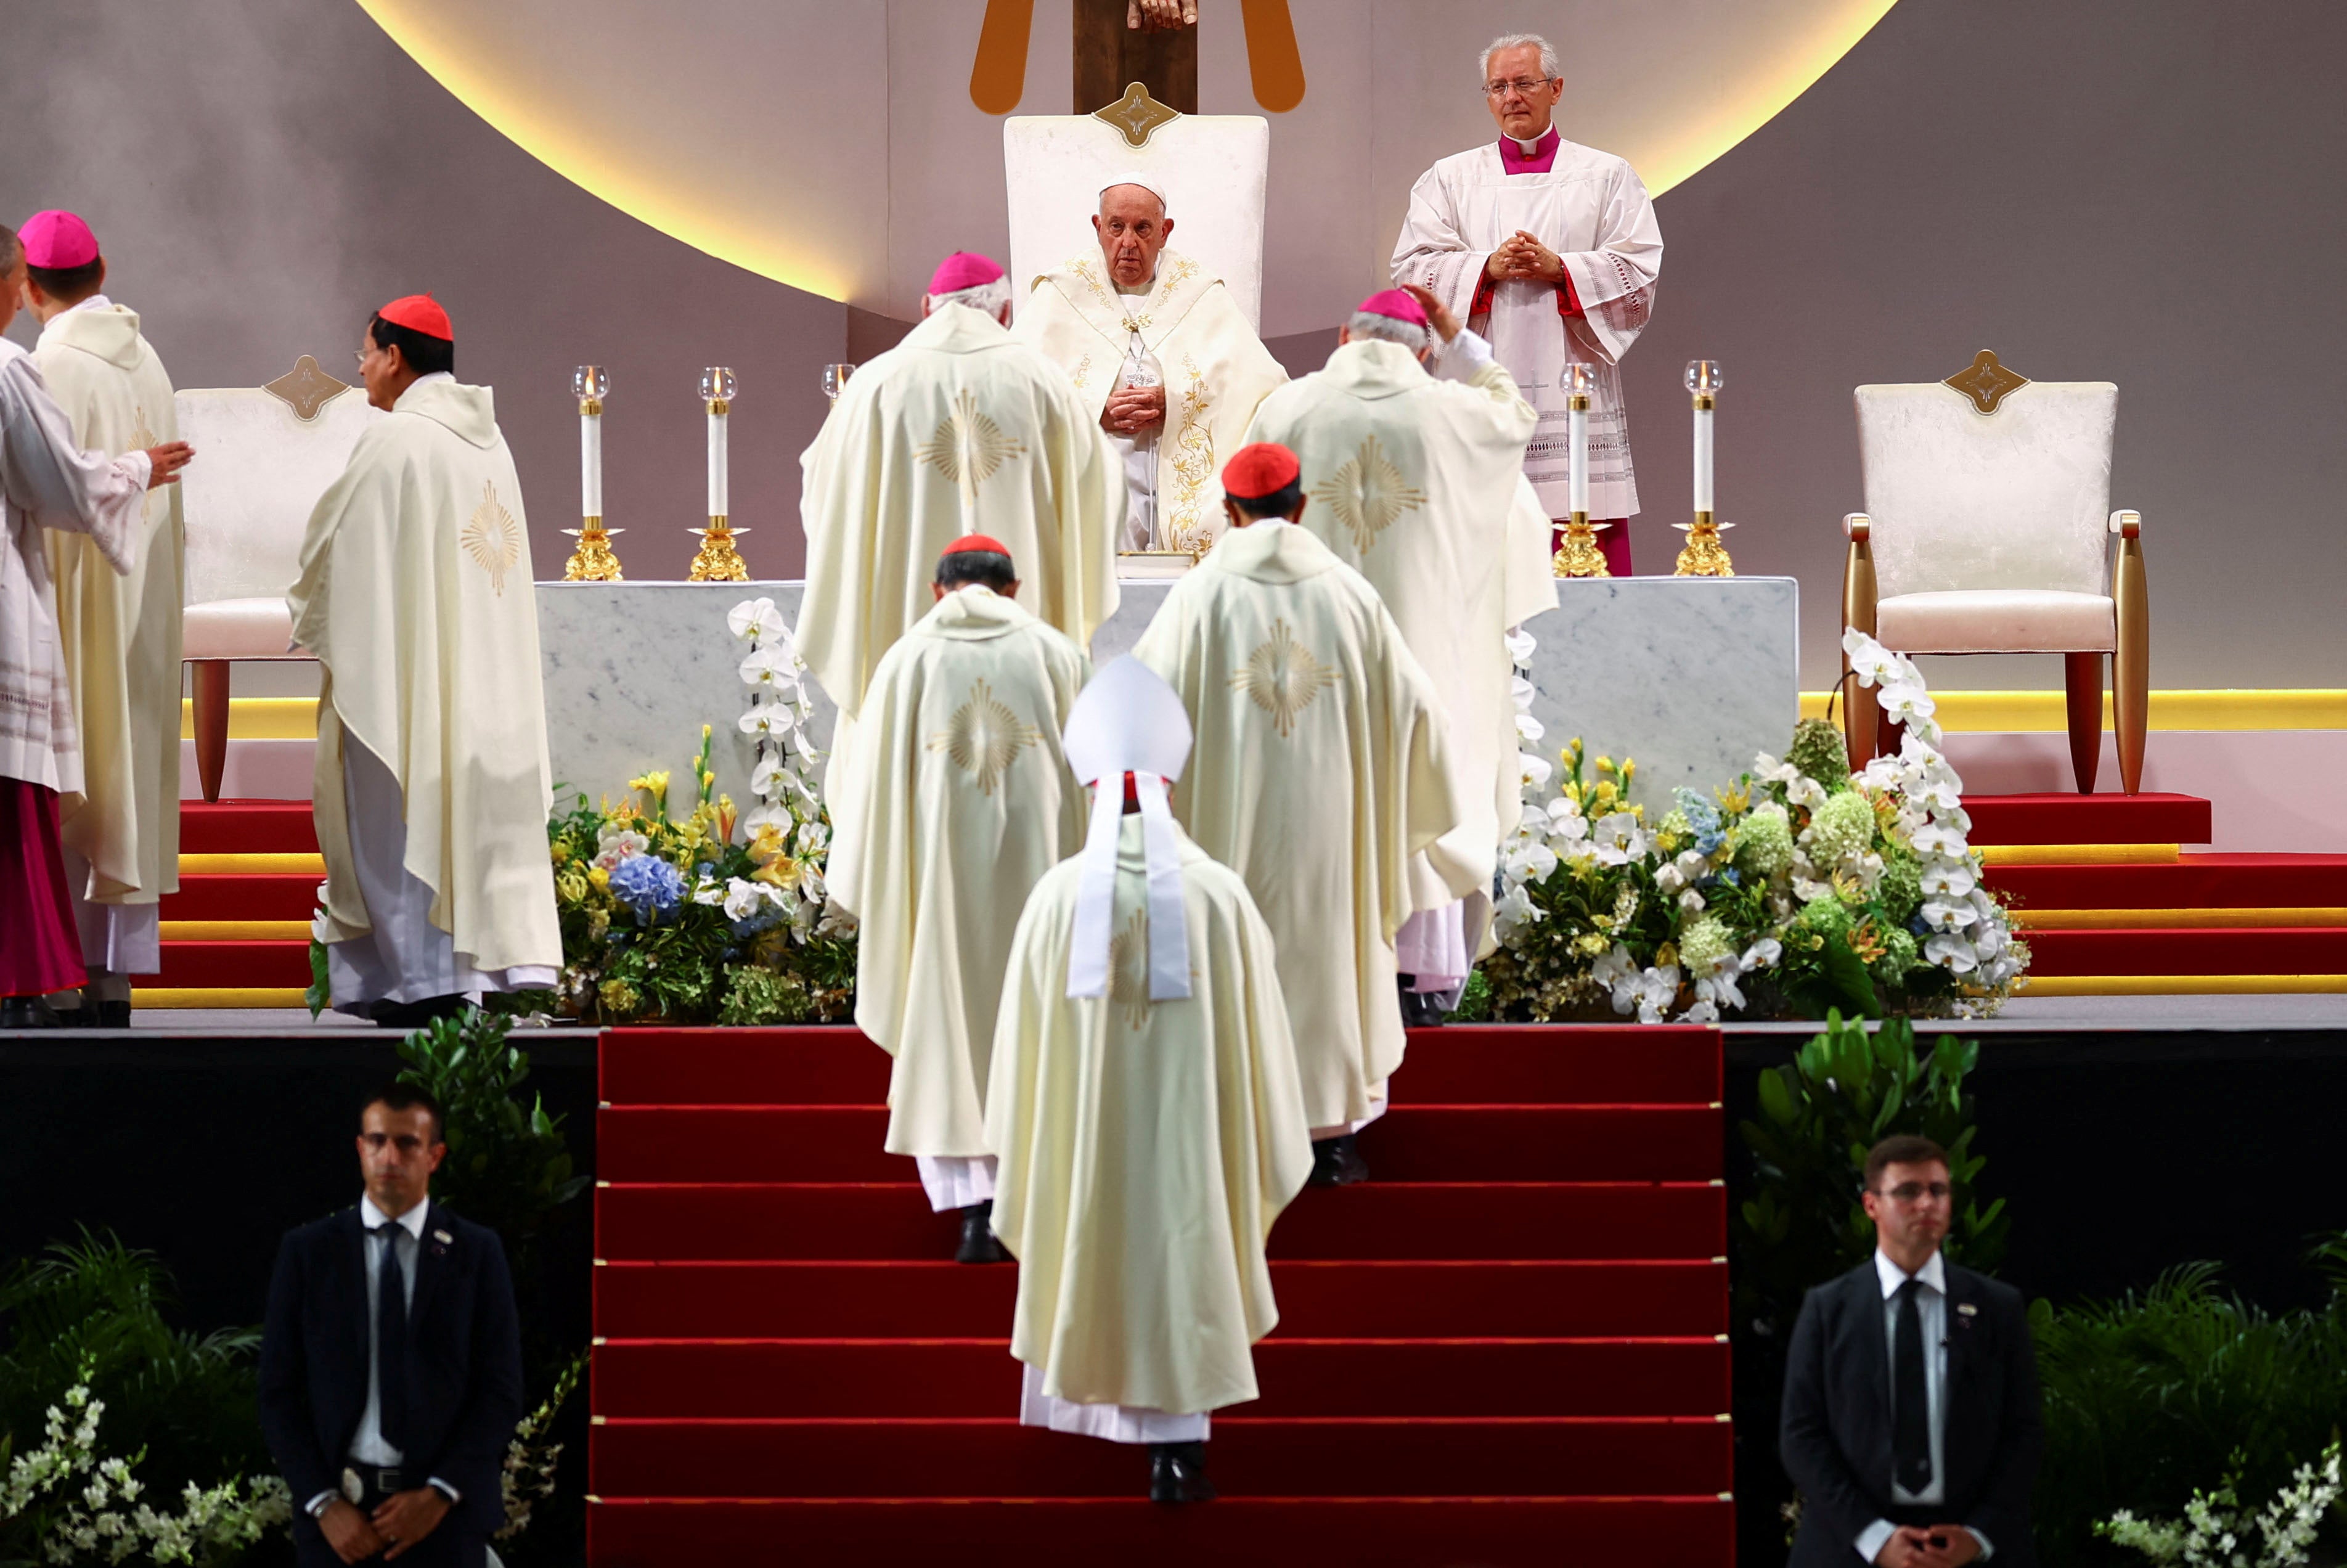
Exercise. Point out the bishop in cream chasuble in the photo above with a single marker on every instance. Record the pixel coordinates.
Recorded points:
(1319, 770)
(966, 803)
(432, 783)
(1414, 483)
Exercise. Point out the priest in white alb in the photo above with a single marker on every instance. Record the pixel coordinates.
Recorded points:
(1549, 250)
(1161, 357)
(119, 634)
(960, 429)
(1415, 482)
(965, 802)
(47, 482)
(431, 784)
(1144, 1103)
(1319, 772)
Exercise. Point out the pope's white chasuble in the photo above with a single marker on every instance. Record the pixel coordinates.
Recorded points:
(120, 634)
(1215, 370)
(1415, 483)
(1146, 1146)
(415, 595)
(959, 429)
(966, 803)
(1592, 210)
(1319, 770)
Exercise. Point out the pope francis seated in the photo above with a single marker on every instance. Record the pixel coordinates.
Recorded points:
(1162, 358)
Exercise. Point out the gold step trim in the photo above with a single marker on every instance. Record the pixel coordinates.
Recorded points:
(260, 718)
(2184, 984)
(220, 997)
(235, 930)
(252, 864)
(2080, 853)
(2172, 919)
(2311, 708)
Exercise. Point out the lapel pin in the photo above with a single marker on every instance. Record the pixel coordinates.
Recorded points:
(1964, 1308)
(445, 1239)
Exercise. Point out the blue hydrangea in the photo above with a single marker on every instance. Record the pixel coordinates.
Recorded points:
(1703, 819)
(647, 885)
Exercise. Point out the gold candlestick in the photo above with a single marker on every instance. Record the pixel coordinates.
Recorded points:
(1579, 555)
(717, 560)
(1704, 554)
(593, 560)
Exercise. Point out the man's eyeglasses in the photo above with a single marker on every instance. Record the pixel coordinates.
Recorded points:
(1522, 85)
(1916, 1192)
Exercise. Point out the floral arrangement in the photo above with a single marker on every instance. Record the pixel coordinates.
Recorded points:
(2217, 1532)
(1800, 887)
(528, 1477)
(79, 1508)
(670, 917)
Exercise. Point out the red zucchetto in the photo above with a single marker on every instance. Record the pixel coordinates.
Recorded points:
(420, 313)
(976, 542)
(1264, 469)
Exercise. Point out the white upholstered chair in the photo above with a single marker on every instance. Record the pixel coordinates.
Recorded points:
(263, 456)
(1987, 530)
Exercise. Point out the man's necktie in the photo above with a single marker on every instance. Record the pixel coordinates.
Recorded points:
(1911, 1426)
(391, 1344)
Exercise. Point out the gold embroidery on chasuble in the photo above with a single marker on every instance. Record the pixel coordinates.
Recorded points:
(984, 737)
(1282, 678)
(969, 445)
(1083, 372)
(1368, 493)
(1128, 972)
(1193, 464)
(141, 437)
(492, 539)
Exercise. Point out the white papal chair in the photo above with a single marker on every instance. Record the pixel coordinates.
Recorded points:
(1987, 530)
(263, 456)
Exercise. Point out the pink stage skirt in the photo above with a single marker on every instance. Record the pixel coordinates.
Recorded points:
(40, 949)
(1613, 543)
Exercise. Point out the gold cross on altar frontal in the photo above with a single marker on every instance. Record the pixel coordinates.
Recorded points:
(1986, 382)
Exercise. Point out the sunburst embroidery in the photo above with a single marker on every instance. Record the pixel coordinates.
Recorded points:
(141, 437)
(1368, 493)
(1128, 971)
(984, 737)
(492, 539)
(1282, 678)
(969, 445)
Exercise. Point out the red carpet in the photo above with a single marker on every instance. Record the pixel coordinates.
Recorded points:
(2198, 923)
(1509, 1348)
(228, 959)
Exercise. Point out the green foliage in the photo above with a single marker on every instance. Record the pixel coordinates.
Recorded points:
(1474, 1001)
(756, 996)
(1846, 1091)
(97, 1308)
(508, 1168)
(1818, 750)
(2162, 1392)
(321, 994)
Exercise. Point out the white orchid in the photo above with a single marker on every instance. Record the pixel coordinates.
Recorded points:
(1762, 954)
(1618, 837)
(1691, 902)
(1937, 838)
(744, 897)
(1806, 791)
(1533, 771)
(1530, 861)
(756, 618)
(1530, 728)
(1766, 769)
(1952, 877)
(1952, 953)
(1658, 989)
(771, 720)
(1945, 916)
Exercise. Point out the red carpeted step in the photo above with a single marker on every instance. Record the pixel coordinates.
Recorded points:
(977, 1378)
(1387, 1531)
(822, 1065)
(2070, 818)
(1566, 1065)
(1379, 1220)
(1542, 1299)
(1252, 1457)
(2215, 950)
(1490, 1144)
(247, 827)
(217, 896)
(231, 965)
(2193, 882)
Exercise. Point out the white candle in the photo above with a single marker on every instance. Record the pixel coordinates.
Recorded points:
(1577, 476)
(590, 465)
(1703, 460)
(717, 464)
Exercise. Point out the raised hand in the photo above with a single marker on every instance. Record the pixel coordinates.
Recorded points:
(167, 460)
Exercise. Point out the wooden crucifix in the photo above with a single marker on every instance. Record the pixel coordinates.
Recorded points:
(1110, 53)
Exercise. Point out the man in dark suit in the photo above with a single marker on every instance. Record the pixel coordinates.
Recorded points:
(390, 1361)
(1911, 1417)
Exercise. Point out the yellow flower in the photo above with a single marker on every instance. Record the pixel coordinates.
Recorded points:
(1666, 955)
(1591, 943)
(782, 871)
(1605, 765)
(726, 819)
(655, 785)
(1734, 799)
(1629, 767)
(561, 851)
(600, 877)
(767, 842)
(1574, 750)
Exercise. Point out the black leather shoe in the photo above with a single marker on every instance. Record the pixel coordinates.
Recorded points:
(113, 1014)
(1337, 1163)
(1177, 1474)
(412, 1016)
(978, 1243)
(71, 1018)
(25, 1012)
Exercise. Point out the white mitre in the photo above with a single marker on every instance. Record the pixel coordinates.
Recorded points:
(1129, 721)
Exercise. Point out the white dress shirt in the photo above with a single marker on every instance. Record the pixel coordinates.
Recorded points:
(367, 1445)
(1931, 1312)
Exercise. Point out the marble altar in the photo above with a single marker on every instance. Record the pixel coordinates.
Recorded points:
(1689, 675)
